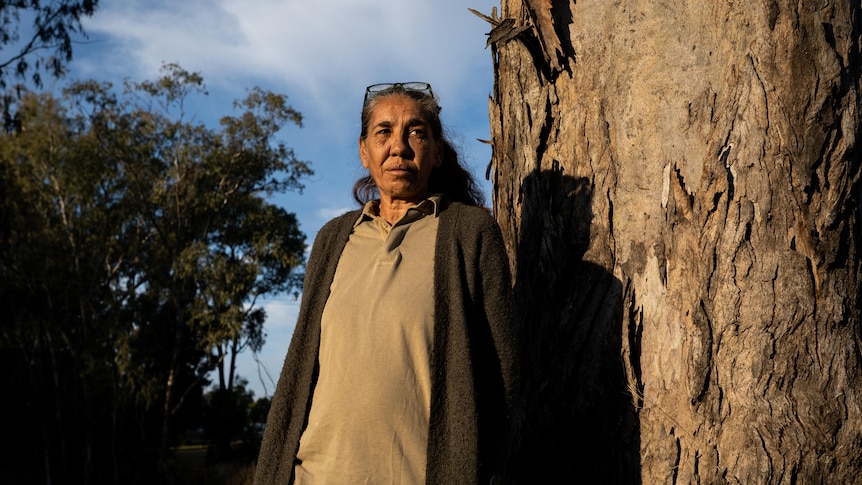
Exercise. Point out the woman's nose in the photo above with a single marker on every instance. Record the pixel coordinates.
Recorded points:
(401, 147)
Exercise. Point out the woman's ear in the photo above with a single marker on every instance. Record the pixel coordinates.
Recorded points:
(363, 152)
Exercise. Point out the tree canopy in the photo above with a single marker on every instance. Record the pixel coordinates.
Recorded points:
(134, 248)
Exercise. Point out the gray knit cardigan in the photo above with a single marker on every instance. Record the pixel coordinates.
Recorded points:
(473, 361)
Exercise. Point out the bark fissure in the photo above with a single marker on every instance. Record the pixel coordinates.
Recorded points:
(635, 335)
(677, 458)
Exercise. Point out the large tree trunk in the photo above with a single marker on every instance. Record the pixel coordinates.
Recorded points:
(678, 183)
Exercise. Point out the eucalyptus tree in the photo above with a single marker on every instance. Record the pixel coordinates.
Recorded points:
(57, 262)
(139, 245)
(679, 185)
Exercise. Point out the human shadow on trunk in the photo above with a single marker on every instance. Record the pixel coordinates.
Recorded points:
(578, 424)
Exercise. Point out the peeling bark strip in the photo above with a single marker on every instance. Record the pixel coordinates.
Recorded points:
(682, 209)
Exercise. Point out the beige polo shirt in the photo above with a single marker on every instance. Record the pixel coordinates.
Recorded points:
(370, 409)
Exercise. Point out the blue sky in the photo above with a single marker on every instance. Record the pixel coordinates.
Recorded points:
(321, 54)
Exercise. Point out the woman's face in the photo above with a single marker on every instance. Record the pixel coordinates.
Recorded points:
(399, 150)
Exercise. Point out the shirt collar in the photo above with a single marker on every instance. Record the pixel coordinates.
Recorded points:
(429, 207)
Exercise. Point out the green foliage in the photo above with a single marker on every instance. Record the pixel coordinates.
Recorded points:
(52, 25)
(133, 248)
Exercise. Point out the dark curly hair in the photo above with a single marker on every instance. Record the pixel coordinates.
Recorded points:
(450, 178)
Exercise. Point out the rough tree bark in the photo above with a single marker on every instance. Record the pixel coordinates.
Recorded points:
(679, 186)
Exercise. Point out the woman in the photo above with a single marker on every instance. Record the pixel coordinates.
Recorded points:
(402, 365)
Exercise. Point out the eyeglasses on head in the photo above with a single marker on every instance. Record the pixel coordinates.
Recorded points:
(376, 89)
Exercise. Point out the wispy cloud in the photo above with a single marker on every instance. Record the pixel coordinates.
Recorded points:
(329, 213)
(281, 312)
(316, 47)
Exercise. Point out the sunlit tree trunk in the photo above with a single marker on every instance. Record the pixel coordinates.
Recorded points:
(678, 183)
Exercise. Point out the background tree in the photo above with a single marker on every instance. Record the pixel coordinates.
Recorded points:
(230, 416)
(58, 244)
(679, 184)
(208, 242)
(135, 247)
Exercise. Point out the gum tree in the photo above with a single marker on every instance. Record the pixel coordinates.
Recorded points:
(135, 247)
(679, 184)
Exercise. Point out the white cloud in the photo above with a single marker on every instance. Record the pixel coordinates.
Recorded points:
(326, 214)
(316, 47)
(281, 312)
